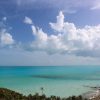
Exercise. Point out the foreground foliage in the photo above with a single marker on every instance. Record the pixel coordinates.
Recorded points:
(6, 94)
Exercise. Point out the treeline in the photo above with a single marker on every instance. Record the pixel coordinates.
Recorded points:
(6, 94)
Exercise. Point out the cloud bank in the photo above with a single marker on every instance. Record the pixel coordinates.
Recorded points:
(67, 38)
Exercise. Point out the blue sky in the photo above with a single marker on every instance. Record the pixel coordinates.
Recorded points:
(42, 32)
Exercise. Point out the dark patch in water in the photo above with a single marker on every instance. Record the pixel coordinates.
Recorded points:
(50, 77)
(59, 77)
(65, 77)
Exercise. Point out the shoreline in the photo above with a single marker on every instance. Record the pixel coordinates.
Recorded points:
(7, 94)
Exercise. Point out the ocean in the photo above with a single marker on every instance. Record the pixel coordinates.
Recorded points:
(61, 81)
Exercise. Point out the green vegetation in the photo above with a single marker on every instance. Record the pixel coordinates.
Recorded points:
(6, 94)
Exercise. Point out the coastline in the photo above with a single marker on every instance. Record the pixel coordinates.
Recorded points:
(57, 81)
(69, 80)
(7, 94)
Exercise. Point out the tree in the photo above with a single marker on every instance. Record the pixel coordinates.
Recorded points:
(42, 90)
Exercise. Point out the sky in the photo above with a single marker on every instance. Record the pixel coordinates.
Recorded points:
(49, 32)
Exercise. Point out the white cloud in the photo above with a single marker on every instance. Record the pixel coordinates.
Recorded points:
(5, 38)
(68, 38)
(27, 20)
(58, 26)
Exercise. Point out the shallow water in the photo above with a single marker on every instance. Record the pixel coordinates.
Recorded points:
(61, 81)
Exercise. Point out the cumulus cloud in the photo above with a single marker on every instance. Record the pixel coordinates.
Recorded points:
(68, 38)
(5, 38)
(27, 20)
(58, 26)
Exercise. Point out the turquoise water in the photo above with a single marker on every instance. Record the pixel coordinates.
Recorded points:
(61, 81)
